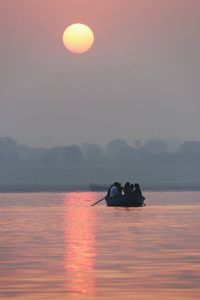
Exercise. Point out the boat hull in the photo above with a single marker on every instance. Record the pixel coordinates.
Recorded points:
(126, 201)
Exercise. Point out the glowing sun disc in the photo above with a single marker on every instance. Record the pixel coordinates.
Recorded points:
(78, 38)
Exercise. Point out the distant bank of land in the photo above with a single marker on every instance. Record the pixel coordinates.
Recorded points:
(56, 188)
(73, 168)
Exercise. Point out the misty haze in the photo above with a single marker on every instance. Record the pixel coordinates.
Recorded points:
(155, 163)
(140, 79)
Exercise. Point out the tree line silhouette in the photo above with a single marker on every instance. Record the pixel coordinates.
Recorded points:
(155, 163)
(153, 151)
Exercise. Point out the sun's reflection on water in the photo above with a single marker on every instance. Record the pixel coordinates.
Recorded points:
(79, 244)
(56, 246)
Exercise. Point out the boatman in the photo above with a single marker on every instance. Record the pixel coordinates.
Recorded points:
(114, 191)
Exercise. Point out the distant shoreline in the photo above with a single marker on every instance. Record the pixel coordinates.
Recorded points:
(85, 188)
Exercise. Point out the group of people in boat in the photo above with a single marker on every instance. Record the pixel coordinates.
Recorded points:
(116, 189)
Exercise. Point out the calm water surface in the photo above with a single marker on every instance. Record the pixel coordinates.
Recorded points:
(56, 246)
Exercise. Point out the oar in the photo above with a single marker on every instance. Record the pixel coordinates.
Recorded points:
(98, 201)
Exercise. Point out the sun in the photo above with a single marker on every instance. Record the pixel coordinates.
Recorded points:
(78, 38)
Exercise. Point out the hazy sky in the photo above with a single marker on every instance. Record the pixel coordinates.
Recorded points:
(141, 78)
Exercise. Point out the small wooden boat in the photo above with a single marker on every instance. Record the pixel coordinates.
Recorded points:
(126, 201)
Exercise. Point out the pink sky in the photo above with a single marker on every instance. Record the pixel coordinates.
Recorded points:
(145, 64)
